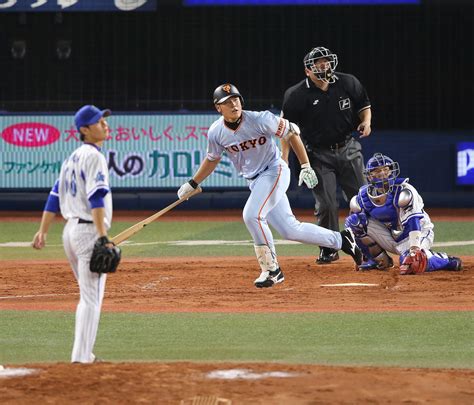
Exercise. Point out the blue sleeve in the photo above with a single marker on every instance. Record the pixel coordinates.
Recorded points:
(97, 199)
(52, 204)
(413, 224)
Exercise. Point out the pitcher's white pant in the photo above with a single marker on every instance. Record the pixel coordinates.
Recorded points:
(268, 204)
(79, 242)
(380, 234)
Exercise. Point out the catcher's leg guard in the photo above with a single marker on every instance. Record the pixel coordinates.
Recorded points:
(271, 273)
(441, 261)
(375, 257)
(375, 253)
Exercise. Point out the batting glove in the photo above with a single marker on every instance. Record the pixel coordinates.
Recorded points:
(187, 188)
(307, 176)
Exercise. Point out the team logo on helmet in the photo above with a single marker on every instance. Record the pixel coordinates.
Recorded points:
(225, 91)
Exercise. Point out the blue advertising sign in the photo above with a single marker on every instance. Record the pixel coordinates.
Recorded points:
(294, 2)
(76, 5)
(465, 163)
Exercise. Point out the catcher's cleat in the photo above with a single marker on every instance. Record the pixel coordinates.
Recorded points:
(371, 264)
(327, 255)
(455, 263)
(269, 278)
(350, 247)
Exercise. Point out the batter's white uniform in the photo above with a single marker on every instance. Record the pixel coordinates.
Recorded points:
(83, 174)
(253, 151)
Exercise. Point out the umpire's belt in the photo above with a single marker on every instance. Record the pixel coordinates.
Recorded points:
(335, 146)
(254, 177)
(84, 221)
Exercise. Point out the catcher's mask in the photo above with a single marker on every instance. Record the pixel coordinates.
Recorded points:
(381, 173)
(226, 91)
(324, 73)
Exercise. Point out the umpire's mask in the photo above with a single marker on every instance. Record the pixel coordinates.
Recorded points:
(325, 72)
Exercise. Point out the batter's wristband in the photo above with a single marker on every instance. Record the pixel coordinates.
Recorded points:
(193, 184)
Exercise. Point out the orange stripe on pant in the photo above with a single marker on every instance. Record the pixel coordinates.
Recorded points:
(263, 205)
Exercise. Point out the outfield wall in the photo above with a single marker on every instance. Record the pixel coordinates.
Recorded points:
(151, 155)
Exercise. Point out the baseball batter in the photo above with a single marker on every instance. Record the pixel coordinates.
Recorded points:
(83, 196)
(248, 139)
(388, 216)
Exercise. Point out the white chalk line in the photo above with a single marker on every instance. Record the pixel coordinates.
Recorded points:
(245, 374)
(350, 285)
(12, 297)
(218, 243)
(16, 372)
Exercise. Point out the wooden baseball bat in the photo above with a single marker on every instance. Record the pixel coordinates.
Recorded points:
(122, 236)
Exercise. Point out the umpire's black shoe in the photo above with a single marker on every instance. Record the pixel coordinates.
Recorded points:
(327, 255)
(350, 247)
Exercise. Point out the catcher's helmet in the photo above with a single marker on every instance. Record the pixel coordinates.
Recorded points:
(382, 184)
(325, 74)
(224, 92)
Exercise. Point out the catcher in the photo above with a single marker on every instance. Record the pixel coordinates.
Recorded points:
(387, 216)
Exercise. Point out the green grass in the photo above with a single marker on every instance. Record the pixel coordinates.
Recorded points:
(419, 339)
(176, 230)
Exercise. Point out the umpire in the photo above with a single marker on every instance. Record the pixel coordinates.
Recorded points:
(327, 106)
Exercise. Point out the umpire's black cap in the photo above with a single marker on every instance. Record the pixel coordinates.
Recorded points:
(225, 91)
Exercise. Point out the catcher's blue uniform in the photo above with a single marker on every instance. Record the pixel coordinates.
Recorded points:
(388, 215)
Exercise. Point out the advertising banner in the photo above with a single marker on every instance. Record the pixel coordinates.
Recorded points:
(465, 163)
(144, 151)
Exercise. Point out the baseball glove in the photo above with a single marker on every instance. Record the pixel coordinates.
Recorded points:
(104, 259)
(415, 262)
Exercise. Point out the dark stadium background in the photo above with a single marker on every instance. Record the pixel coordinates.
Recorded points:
(416, 62)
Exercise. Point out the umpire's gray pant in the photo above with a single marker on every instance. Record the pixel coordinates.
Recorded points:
(342, 166)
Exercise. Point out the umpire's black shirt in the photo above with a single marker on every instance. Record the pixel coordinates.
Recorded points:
(325, 117)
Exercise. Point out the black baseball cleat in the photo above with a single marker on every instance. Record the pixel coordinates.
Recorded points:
(269, 278)
(455, 263)
(350, 247)
(327, 255)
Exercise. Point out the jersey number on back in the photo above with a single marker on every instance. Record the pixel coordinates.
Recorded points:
(70, 183)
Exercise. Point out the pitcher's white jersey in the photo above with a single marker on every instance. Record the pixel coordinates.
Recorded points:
(251, 147)
(82, 174)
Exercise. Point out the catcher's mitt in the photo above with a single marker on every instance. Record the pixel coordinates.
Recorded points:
(415, 262)
(104, 259)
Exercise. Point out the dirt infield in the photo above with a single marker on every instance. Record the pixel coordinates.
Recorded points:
(202, 285)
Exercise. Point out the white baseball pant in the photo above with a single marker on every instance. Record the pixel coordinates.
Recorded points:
(268, 204)
(79, 242)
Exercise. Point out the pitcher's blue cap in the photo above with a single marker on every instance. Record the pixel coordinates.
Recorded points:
(88, 115)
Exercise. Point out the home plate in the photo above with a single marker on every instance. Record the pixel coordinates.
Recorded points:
(350, 285)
